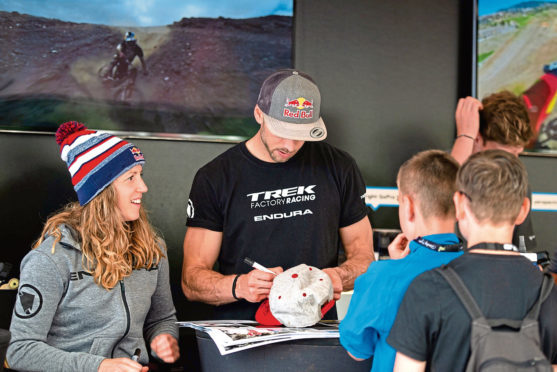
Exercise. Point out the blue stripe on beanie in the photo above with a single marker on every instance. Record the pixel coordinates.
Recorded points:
(105, 173)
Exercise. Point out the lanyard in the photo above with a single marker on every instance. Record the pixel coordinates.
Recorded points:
(438, 247)
(495, 247)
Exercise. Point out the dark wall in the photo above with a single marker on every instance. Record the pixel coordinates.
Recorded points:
(389, 75)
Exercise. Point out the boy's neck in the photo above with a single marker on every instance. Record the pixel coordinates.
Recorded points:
(487, 233)
(433, 226)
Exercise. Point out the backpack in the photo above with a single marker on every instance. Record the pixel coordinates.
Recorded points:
(502, 349)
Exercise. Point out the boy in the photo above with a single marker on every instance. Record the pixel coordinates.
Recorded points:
(426, 184)
(499, 121)
(432, 326)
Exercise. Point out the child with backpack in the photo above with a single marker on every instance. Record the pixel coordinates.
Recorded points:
(508, 296)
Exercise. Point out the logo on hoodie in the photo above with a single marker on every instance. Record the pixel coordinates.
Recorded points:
(29, 301)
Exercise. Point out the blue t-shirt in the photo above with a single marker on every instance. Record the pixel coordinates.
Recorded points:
(377, 297)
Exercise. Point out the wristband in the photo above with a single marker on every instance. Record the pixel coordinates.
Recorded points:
(234, 287)
(467, 136)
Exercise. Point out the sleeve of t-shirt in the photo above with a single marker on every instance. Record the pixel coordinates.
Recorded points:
(553, 264)
(358, 332)
(353, 207)
(416, 320)
(203, 207)
(548, 326)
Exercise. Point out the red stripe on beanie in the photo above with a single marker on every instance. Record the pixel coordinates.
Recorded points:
(91, 164)
(87, 150)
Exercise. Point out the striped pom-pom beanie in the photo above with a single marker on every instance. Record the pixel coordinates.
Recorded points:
(94, 158)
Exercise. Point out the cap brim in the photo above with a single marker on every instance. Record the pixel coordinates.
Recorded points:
(315, 131)
(265, 317)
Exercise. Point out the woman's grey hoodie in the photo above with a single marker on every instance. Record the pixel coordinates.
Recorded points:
(64, 321)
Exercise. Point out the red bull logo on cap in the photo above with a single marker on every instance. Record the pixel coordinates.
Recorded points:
(137, 154)
(300, 104)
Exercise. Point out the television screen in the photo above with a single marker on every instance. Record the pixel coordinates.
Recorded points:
(168, 67)
(517, 51)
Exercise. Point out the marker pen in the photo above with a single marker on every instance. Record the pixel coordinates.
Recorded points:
(257, 266)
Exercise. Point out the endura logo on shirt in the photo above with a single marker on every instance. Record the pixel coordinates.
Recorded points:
(78, 275)
(289, 195)
(190, 210)
(278, 216)
(29, 302)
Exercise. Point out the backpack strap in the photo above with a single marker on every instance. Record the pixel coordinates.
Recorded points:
(461, 291)
(546, 287)
(471, 306)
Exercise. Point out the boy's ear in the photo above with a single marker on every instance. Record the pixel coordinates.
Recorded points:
(410, 207)
(458, 204)
(524, 209)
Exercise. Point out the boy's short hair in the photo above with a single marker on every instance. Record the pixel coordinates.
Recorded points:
(430, 177)
(504, 119)
(496, 183)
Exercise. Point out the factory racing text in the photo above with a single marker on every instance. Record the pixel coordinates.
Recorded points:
(289, 195)
(285, 196)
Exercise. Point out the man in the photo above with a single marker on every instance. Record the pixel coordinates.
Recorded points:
(282, 198)
(426, 184)
(130, 49)
(432, 328)
(499, 121)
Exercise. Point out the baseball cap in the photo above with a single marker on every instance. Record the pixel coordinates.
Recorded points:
(291, 102)
(299, 297)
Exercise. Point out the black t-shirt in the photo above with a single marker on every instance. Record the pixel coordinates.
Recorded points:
(278, 214)
(433, 325)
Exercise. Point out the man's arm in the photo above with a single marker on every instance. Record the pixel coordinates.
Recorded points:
(404, 363)
(357, 240)
(467, 118)
(201, 283)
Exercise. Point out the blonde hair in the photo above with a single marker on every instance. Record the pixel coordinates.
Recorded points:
(430, 177)
(504, 119)
(111, 248)
(495, 183)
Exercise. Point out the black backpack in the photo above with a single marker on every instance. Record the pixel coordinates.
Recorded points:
(495, 347)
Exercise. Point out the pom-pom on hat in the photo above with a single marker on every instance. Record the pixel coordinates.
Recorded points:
(299, 297)
(94, 158)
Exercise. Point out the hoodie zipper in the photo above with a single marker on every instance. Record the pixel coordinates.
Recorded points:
(123, 291)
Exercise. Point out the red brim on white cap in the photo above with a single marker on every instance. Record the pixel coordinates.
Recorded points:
(315, 131)
(265, 317)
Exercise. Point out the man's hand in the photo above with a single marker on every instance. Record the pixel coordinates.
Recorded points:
(121, 365)
(467, 117)
(399, 247)
(337, 282)
(166, 348)
(256, 285)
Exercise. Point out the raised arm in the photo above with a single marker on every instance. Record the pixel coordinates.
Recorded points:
(467, 118)
(201, 283)
(357, 240)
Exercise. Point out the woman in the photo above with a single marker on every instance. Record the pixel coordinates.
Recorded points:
(95, 287)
